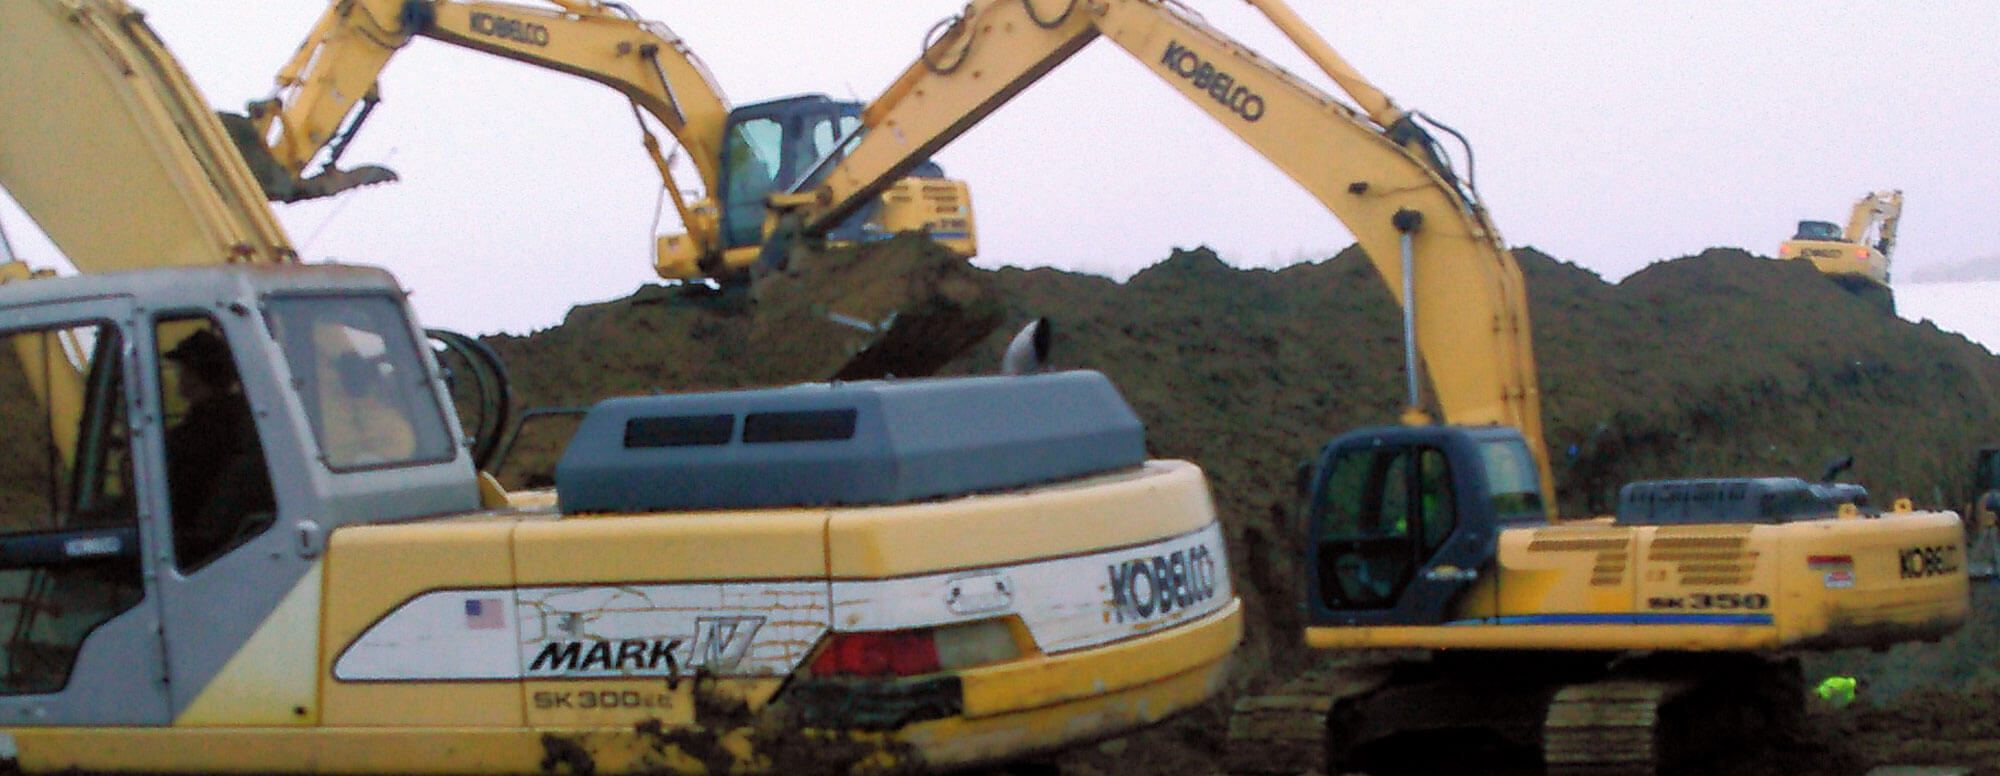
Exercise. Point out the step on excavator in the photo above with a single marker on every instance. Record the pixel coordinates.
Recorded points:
(326, 92)
(1455, 605)
(241, 531)
(1856, 258)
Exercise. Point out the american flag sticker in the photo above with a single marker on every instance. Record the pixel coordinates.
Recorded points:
(484, 614)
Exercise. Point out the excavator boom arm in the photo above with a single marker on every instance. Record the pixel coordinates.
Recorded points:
(160, 182)
(1382, 180)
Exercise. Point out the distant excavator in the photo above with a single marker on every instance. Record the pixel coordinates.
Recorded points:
(329, 87)
(1858, 257)
(741, 154)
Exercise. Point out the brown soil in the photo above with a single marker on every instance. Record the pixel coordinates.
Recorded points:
(1721, 363)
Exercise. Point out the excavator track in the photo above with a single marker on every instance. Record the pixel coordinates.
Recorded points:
(1606, 728)
(1636, 718)
(1284, 731)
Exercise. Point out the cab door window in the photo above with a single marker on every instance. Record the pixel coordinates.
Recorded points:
(753, 154)
(1437, 510)
(1378, 515)
(69, 546)
(218, 484)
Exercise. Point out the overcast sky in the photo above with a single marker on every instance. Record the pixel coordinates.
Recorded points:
(1609, 134)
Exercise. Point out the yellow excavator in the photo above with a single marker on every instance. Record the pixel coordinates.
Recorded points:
(906, 316)
(1436, 560)
(740, 153)
(240, 529)
(1856, 258)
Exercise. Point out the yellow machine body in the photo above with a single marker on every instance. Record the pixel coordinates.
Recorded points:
(1835, 257)
(940, 208)
(1814, 584)
(297, 698)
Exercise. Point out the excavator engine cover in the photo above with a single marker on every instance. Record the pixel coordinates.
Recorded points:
(1761, 500)
(876, 442)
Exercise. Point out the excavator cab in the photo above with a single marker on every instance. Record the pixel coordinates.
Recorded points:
(787, 145)
(1402, 519)
(1818, 230)
(1982, 516)
(1986, 469)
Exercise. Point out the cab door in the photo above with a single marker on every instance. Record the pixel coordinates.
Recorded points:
(1398, 525)
(79, 618)
(235, 545)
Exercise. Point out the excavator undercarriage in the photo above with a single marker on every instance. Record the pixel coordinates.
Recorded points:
(1564, 714)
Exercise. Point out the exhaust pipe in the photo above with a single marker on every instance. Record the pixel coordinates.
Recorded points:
(1028, 352)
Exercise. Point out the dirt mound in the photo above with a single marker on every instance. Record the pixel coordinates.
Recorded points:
(1721, 363)
(798, 325)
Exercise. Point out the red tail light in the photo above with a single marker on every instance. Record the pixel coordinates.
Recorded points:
(1860, 253)
(881, 653)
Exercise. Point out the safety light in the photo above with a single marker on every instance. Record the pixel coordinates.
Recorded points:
(915, 651)
(1860, 253)
(878, 653)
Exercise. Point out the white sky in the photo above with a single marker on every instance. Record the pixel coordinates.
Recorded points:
(1610, 134)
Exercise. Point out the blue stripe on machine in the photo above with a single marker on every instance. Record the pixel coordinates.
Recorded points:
(1622, 619)
(880, 236)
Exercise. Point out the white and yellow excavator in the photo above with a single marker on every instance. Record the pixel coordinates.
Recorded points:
(240, 530)
(740, 153)
(1566, 638)
(1857, 257)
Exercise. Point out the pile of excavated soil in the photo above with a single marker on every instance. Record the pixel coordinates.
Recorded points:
(901, 307)
(1717, 364)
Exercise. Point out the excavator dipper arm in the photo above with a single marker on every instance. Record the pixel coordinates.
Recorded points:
(1376, 171)
(1873, 221)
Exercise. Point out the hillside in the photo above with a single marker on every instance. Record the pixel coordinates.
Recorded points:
(1721, 363)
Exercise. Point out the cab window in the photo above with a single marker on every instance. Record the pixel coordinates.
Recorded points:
(69, 552)
(823, 134)
(752, 157)
(1513, 480)
(1379, 515)
(1361, 517)
(1437, 509)
(218, 482)
(356, 368)
(1356, 499)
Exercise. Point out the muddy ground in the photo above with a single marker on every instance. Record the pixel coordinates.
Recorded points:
(1721, 363)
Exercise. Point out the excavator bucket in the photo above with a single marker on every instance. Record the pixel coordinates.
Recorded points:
(331, 181)
(280, 184)
(902, 307)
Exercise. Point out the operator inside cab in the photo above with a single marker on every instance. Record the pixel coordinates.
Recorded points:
(217, 482)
